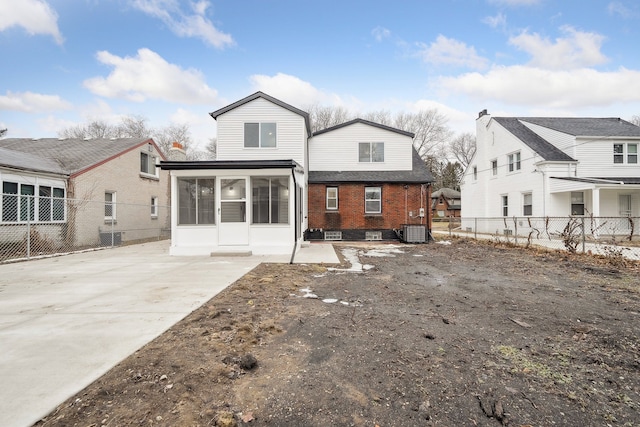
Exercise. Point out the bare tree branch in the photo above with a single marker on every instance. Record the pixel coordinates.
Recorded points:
(463, 148)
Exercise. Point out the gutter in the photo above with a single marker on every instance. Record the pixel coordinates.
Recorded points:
(295, 215)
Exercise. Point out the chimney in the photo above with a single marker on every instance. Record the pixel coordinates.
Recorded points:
(177, 153)
(482, 113)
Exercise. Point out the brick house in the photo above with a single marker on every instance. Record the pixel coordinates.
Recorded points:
(73, 190)
(275, 185)
(445, 203)
(366, 181)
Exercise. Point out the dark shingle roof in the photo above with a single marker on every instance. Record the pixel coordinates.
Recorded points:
(27, 161)
(419, 174)
(68, 156)
(366, 122)
(587, 126)
(449, 193)
(269, 98)
(534, 141)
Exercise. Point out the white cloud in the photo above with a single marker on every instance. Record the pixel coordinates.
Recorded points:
(380, 33)
(185, 24)
(293, 90)
(498, 21)
(617, 8)
(35, 16)
(577, 49)
(537, 87)
(30, 102)
(451, 52)
(149, 76)
(187, 117)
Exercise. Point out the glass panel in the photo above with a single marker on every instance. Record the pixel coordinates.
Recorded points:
(233, 189)
(58, 204)
(44, 204)
(280, 200)
(372, 202)
(143, 162)
(268, 135)
(187, 201)
(251, 134)
(364, 153)
(577, 197)
(9, 202)
(260, 199)
(232, 212)
(27, 204)
(617, 148)
(632, 150)
(377, 152)
(206, 201)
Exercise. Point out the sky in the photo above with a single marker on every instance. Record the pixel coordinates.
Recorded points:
(66, 62)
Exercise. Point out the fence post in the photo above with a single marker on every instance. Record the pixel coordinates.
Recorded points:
(28, 227)
(584, 238)
(475, 228)
(515, 228)
(112, 236)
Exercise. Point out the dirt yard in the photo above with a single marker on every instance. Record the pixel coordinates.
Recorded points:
(467, 334)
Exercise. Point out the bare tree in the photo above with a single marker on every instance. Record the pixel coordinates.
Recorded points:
(212, 148)
(133, 127)
(2, 132)
(166, 136)
(92, 130)
(432, 133)
(326, 117)
(382, 117)
(463, 148)
(635, 120)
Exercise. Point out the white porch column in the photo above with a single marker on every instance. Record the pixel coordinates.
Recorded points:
(595, 202)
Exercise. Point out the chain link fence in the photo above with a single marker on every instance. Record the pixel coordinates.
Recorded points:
(608, 236)
(35, 226)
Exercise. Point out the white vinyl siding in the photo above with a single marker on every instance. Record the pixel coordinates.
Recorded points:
(290, 128)
(330, 151)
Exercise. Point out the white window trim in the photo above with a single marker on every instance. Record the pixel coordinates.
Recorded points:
(494, 171)
(34, 200)
(524, 205)
(154, 207)
(625, 154)
(379, 190)
(155, 173)
(329, 208)
(514, 162)
(113, 202)
(259, 147)
(371, 160)
(504, 198)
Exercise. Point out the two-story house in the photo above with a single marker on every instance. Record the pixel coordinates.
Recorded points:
(273, 184)
(552, 167)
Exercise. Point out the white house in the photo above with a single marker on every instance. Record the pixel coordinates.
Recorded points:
(552, 167)
(255, 198)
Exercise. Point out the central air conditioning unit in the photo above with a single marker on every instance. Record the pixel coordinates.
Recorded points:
(414, 233)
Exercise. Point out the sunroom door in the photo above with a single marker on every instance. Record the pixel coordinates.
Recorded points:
(233, 228)
(624, 204)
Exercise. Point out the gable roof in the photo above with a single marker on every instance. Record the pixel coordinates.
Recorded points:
(65, 156)
(448, 193)
(541, 146)
(587, 126)
(269, 98)
(366, 122)
(419, 174)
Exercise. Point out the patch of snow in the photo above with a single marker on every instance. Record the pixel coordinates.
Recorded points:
(350, 255)
(344, 302)
(443, 242)
(418, 255)
(383, 251)
(329, 300)
(309, 295)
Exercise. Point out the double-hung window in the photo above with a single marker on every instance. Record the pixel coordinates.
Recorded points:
(196, 199)
(270, 200)
(625, 153)
(505, 205)
(373, 200)
(369, 152)
(475, 173)
(260, 135)
(527, 204)
(332, 198)
(494, 167)
(513, 160)
(148, 164)
(154, 207)
(50, 203)
(577, 203)
(110, 205)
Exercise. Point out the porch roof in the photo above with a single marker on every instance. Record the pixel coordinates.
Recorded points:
(230, 164)
(565, 184)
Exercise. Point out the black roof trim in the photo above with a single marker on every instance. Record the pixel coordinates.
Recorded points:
(366, 122)
(269, 98)
(229, 164)
(534, 141)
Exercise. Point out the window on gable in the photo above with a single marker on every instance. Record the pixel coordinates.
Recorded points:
(270, 200)
(372, 200)
(513, 161)
(475, 173)
(332, 198)
(527, 204)
(494, 167)
(371, 152)
(260, 135)
(148, 164)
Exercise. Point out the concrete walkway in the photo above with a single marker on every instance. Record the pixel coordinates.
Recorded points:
(65, 321)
